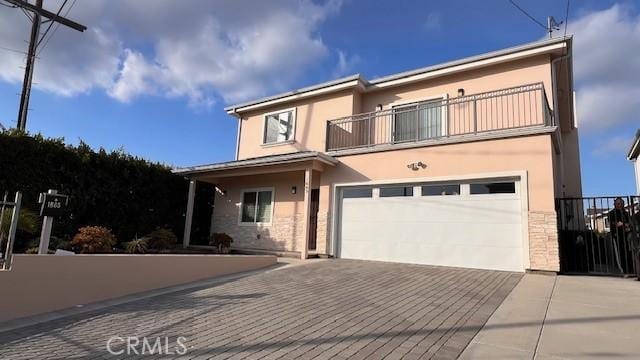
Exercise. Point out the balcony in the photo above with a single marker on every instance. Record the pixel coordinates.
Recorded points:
(434, 121)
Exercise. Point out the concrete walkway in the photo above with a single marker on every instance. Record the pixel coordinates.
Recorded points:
(563, 317)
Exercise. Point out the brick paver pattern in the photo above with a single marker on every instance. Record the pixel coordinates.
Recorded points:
(335, 309)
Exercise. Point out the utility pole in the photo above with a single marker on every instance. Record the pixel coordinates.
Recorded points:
(28, 71)
(38, 12)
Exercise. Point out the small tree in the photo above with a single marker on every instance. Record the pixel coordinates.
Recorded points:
(94, 239)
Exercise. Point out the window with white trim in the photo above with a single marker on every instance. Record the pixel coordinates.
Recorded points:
(279, 127)
(256, 206)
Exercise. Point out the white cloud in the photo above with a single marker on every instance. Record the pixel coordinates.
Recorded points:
(433, 22)
(345, 64)
(232, 49)
(615, 146)
(607, 67)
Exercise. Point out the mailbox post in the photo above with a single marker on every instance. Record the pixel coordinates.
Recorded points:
(53, 204)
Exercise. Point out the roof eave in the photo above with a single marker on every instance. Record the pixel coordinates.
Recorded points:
(356, 77)
(243, 164)
(635, 150)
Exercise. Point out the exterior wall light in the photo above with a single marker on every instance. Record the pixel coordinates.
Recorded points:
(294, 190)
(461, 92)
(417, 166)
(379, 107)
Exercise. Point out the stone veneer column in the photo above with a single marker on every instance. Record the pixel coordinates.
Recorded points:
(322, 235)
(543, 241)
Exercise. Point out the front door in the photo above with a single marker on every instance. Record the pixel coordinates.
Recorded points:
(313, 218)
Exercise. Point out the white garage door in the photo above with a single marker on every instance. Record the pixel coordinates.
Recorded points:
(462, 224)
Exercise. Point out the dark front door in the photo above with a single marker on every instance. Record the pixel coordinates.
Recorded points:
(313, 218)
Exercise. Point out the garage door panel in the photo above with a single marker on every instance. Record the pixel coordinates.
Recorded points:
(462, 231)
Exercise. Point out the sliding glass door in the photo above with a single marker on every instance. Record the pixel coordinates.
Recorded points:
(417, 121)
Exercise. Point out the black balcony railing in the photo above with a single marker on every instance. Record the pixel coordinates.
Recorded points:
(505, 109)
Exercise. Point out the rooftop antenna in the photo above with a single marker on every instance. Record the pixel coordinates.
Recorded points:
(552, 24)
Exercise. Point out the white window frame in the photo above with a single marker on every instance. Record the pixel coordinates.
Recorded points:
(406, 102)
(293, 127)
(256, 190)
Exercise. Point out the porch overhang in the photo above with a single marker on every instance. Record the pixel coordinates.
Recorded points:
(260, 165)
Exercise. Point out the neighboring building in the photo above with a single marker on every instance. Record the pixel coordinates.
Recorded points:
(633, 156)
(456, 164)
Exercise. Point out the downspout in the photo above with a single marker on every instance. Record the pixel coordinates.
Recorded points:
(556, 113)
(555, 85)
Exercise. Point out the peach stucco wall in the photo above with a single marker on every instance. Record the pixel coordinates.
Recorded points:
(531, 154)
(312, 114)
(43, 283)
(310, 125)
(522, 72)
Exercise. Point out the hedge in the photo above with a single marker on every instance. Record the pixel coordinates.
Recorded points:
(125, 193)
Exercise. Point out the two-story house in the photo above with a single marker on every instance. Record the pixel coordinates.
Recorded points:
(456, 164)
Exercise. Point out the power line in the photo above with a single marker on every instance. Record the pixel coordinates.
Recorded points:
(527, 14)
(56, 27)
(13, 50)
(35, 40)
(566, 19)
(51, 23)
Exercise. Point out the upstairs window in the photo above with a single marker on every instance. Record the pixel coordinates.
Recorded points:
(279, 127)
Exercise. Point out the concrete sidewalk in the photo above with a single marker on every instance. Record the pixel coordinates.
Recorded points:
(563, 317)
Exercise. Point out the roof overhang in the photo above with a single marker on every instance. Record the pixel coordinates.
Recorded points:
(349, 82)
(557, 46)
(634, 152)
(266, 164)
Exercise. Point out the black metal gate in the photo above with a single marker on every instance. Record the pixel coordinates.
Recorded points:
(599, 235)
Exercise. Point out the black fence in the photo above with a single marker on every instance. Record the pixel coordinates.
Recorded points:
(599, 235)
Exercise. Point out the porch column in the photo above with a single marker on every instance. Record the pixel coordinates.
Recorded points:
(186, 238)
(307, 212)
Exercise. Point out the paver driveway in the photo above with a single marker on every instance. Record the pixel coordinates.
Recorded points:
(327, 309)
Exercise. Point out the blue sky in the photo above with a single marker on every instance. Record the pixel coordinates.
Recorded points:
(154, 79)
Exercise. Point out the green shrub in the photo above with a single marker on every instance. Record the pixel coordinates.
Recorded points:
(221, 241)
(112, 188)
(93, 239)
(59, 243)
(161, 239)
(136, 246)
(28, 221)
(32, 250)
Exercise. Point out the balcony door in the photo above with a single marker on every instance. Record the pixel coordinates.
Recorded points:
(418, 121)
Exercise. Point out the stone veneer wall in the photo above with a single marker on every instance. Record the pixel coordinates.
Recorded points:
(543, 241)
(284, 234)
(322, 236)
